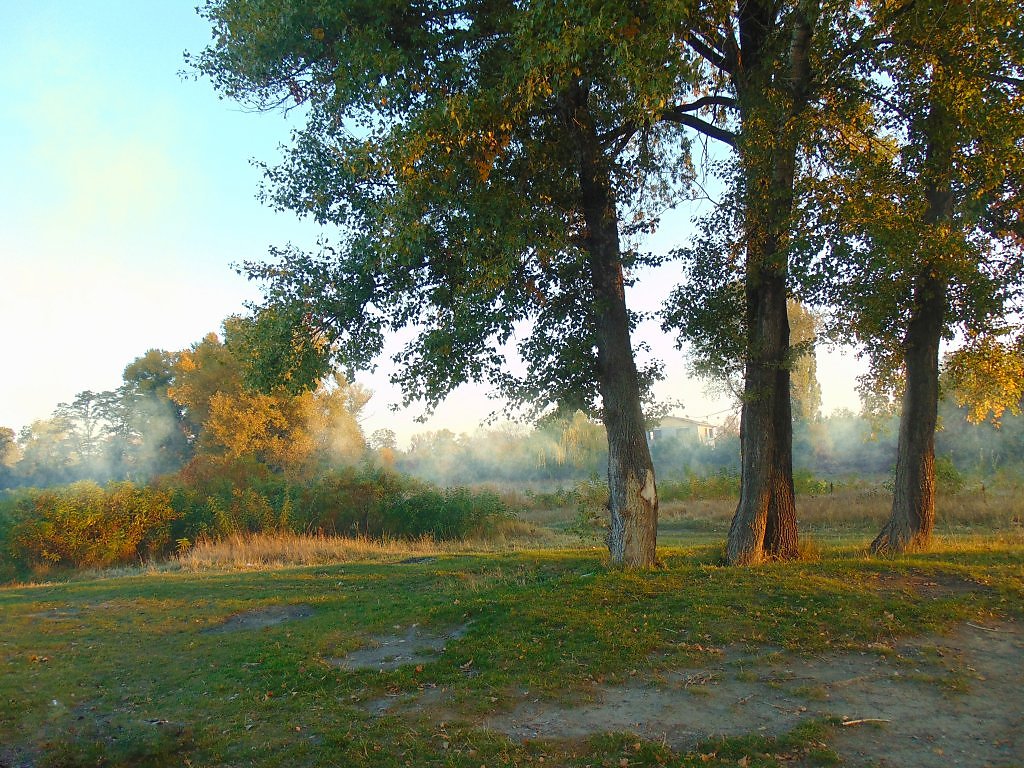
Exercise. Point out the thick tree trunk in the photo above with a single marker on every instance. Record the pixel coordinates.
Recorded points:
(913, 506)
(764, 526)
(633, 492)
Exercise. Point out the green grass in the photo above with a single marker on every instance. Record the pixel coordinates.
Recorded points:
(119, 671)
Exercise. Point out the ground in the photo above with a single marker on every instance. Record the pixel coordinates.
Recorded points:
(944, 700)
(526, 658)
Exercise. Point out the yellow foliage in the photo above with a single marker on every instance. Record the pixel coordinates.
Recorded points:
(294, 434)
(988, 377)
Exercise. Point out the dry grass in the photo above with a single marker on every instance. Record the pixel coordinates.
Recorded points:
(869, 508)
(280, 550)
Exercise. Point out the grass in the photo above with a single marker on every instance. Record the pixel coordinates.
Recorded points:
(278, 550)
(124, 671)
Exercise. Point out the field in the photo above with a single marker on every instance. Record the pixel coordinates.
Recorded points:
(527, 649)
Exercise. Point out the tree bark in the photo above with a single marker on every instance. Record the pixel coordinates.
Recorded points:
(912, 519)
(764, 525)
(633, 492)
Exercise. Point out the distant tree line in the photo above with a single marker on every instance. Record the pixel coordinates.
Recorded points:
(193, 412)
(843, 446)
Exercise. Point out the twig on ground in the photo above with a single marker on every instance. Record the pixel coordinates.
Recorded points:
(978, 626)
(865, 720)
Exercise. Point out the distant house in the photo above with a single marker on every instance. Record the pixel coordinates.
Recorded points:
(681, 428)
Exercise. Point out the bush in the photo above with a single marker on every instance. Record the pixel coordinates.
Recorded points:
(84, 525)
(948, 479)
(724, 484)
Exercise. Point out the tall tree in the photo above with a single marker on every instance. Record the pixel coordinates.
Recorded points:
(927, 213)
(483, 162)
(87, 423)
(771, 69)
(9, 456)
(151, 432)
(805, 390)
(48, 453)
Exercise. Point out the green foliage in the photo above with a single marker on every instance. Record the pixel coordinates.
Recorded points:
(948, 479)
(923, 205)
(85, 525)
(446, 146)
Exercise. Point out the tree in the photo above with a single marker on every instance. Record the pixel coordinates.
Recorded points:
(87, 423)
(769, 85)
(297, 434)
(48, 453)
(151, 433)
(482, 163)
(986, 376)
(9, 456)
(925, 214)
(805, 391)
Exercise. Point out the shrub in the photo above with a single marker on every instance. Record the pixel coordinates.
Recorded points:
(84, 525)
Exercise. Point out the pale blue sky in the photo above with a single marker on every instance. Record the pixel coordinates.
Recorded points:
(126, 194)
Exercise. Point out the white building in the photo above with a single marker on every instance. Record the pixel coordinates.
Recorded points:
(681, 428)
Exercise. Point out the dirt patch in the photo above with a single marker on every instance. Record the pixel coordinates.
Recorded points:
(930, 703)
(56, 614)
(932, 585)
(261, 618)
(413, 646)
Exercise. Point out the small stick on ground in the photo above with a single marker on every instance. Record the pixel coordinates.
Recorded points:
(865, 720)
(978, 626)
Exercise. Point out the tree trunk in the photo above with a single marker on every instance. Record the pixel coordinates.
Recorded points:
(632, 490)
(764, 525)
(913, 505)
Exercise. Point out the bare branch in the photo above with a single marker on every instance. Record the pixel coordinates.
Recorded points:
(713, 56)
(682, 116)
(707, 101)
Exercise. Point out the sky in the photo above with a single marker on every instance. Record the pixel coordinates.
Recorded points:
(128, 192)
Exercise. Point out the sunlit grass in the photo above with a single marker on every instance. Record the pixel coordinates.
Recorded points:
(279, 550)
(139, 678)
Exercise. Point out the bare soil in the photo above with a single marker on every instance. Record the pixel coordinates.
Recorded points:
(932, 702)
(413, 646)
(262, 618)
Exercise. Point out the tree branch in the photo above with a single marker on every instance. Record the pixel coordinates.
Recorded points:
(682, 117)
(707, 101)
(713, 56)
